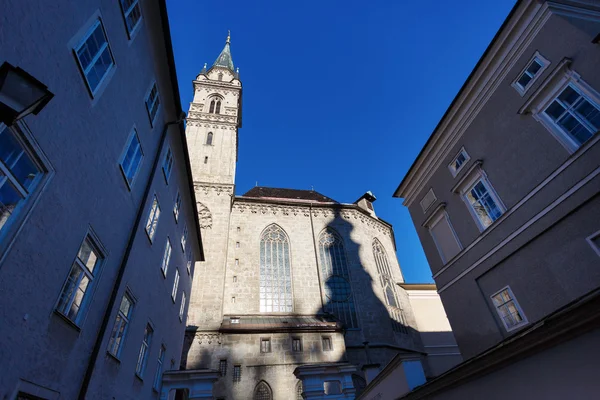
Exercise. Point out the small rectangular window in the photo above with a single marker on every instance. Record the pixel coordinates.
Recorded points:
(152, 103)
(428, 200)
(19, 174)
(177, 207)
(237, 245)
(444, 237)
(483, 203)
(166, 258)
(184, 237)
(237, 262)
(237, 373)
(296, 344)
(159, 368)
(182, 307)
(532, 71)
(94, 56)
(508, 309)
(233, 299)
(239, 229)
(265, 345)
(327, 344)
(234, 279)
(132, 14)
(594, 241)
(76, 291)
(132, 158)
(144, 350)
(459, 162)
(223, 367)
(117, 337)
(206, 160)
(189, 264)
(168, 164)
(175, 285)
(152, 221)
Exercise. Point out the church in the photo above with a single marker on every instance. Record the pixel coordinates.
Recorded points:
(295, 283)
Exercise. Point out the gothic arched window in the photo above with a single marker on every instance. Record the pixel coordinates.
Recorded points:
(389, 287)
(299, 390)
(262, 391)
(275, 272)
(209, 138)
(334, 270)
(212, 107)
(220, 76)
(218, 110)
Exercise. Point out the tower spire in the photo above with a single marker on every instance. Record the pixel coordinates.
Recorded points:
(224, 59)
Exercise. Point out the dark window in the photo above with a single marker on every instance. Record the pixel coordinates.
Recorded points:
(326, 344)
(206, 160)
(265, 345)
(237, 373)
(212, 107)
(223, 367)
(262, 392)
(209, 138)
(218, 110)
(370, 205)
(220, 76)
(296, 344)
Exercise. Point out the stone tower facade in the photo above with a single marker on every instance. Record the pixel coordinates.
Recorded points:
(212, 128)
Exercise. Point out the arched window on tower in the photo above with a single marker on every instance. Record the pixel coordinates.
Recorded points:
(389, 287)
(220, 76)
(212, 107)
(218, 110)
(209, 138)
(262, 391)
(299, 390)
(359, 384)
(334, 271)
(275, 272)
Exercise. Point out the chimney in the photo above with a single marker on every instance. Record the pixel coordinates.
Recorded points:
(366, 202)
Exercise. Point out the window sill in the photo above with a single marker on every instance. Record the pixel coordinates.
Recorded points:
(115, 358)
(67, 320)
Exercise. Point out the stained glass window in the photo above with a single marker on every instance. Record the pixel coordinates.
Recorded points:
(389, 287)
(275, 274)
(334, 270)
(262, 392)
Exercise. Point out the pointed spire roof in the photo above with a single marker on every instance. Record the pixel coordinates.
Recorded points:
(224, 59)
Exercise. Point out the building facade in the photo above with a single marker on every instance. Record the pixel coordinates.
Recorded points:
(292, 278)
(98, 229)
(504, 197)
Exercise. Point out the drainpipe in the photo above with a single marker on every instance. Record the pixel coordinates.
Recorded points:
(113, 296)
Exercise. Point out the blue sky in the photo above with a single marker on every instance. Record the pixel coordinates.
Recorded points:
(339, 95)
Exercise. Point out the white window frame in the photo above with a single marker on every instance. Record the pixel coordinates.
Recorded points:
(182, 307)
(544, 64)
(150, 104)
(153, 218)
(559, 83)
(517, 306)
(159, 368)
(590, 239)
(184, 237)
(126, 13)
(164, 267)
(133, 135)
(328, 338)
(113, 350)
(84, 272)
(175, 285)
(97, 23)
(167, 166)
(142, 360)
(455, 171)
(425, 207)
(21, 212)
(480, 176)
(436, 217)
(177, 206)
(189, 264)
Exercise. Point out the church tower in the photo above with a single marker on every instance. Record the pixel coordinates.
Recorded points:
(213, 120)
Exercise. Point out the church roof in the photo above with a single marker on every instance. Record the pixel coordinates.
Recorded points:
(224, 59)
(290, 194)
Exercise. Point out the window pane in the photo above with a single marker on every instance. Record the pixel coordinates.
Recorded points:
(16, 159)
(569, 95)
(87, 255)
(524, 80)
(125, 306)
(588, 112)
(9, 200)
(555, 110)
(534, 67)
(574, 128)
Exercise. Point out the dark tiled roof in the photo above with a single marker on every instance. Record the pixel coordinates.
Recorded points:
(280, 323)
(292, 194)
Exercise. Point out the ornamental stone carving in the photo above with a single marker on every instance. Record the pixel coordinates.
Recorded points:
(208, 337)
(204, 216)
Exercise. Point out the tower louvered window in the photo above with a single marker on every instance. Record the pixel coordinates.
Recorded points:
(389, 287)
(212, 107)
(334, 271)
(218, 109)
(275, 274)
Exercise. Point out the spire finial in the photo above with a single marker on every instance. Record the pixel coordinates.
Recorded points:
(204, 65)
(228, 36)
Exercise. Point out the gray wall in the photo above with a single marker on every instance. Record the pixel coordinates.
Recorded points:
(83, 139)
(550, 263)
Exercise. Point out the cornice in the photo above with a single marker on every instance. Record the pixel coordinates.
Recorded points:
(490, 72)
(217, 188)
(349, 212)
